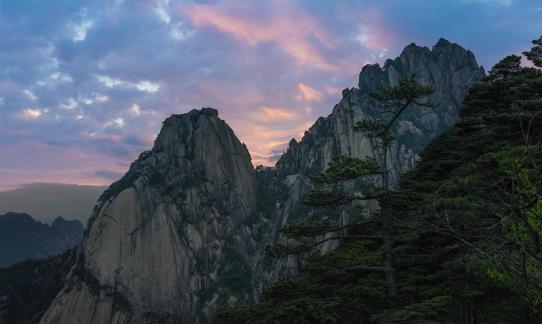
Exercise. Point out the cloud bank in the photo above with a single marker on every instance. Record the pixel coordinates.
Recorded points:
(46, 201)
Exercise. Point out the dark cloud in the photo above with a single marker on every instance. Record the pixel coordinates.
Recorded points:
(46, 201)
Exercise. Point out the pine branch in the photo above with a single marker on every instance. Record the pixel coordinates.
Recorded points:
(316, 228)
(282, 249)
(347, 168)
(353, 225)
(370, 128)
(306, 229)
(337, 198)
(535, 54)
(362, 268)
(326, 198)
(400, 97)
(345, 237)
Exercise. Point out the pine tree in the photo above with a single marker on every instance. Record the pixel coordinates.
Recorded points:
(393, 101)
(390, 103)
(507, 234)
(467, 225)
(505, 68)
(535, 54)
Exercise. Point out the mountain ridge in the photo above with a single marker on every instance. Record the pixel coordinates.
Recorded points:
(189, 216)
(166, 216)
(458, 219)
(448, 67)
(22, 237)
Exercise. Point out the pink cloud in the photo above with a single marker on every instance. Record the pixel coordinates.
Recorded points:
(332, 90)
(271, 68)
(63, 165)
(277, 114)
(297, 34)
(33, 113)
(264, 141)
(309, 93)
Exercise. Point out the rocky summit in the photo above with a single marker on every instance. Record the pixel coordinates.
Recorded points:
(163, 240)
(181, 234)
(449, 68)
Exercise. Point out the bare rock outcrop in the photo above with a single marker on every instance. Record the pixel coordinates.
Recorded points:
(448, 67)
(168, 241)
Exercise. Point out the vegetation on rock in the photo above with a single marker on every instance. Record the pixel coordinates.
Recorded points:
(391, 102)
(465, 223)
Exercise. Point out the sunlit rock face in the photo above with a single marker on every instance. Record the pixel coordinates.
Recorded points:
(448, 67)
(165, 241)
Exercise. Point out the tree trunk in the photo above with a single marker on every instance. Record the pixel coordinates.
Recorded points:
(388, 258)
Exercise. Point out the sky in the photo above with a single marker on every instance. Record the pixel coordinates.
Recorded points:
(85, 85)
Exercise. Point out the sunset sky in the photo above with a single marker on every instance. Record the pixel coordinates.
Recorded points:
(85, 85)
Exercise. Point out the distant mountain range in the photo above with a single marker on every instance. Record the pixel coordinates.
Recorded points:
(22, 237)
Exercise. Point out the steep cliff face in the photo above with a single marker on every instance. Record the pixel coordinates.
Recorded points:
(168, 242)
(448, 67)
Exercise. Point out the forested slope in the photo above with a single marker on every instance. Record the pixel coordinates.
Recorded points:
(466, 230)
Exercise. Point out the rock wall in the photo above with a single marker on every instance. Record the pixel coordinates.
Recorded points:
(448, 67)
(165, 241)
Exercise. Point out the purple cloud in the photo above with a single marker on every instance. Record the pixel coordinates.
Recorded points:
(84, 88)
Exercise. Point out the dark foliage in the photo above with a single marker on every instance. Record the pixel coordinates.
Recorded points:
(28, 288)
(535, 54)
(347, 168)
(441, 277)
